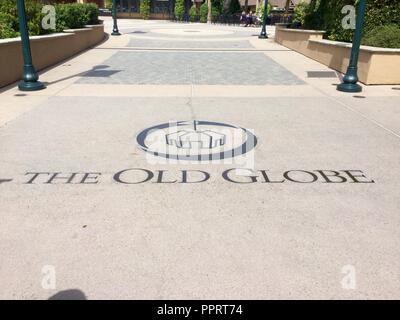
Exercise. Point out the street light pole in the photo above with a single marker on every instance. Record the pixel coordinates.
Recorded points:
(29, 77)
(263, 34)
(351, 78)
(115, 31)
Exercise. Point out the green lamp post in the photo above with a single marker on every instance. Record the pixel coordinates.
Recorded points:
(263, 34)
(115, 31)
(29, 77)
(351, 78)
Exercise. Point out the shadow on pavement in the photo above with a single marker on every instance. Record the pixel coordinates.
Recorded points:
(72, 294)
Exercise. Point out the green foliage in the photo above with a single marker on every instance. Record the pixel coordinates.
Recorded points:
(260, 10)
(326, 15)
(75, 15)
(234, 7)
(193, 13)
(8, 25)
(68, 16)
(383, 36)
(108, 4)
(381, 12)
(145, 9)
(92, 12)
(8, 19)
(300, 12)
(179, 9)
(215, 12)
(203, 12)
(217, 6)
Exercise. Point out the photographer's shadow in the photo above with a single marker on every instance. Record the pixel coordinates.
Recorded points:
(72, 294)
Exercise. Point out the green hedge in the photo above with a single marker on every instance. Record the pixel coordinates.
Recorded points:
(260, 10)
(68, 16)
(75, 15)
(300, 12)
(179, 9)
(145, 9)
(216, 10)
(234, 7)
(193, 13)
(383, 36)
(326, 15)
(203, 12)
(9, 26)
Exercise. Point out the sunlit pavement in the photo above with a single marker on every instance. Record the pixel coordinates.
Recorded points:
(313, 212)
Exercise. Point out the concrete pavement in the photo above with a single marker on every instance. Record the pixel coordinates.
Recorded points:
(313, 212)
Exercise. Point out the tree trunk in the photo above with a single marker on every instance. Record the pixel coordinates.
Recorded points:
(246, 5)
(209, 15)
(287, 6)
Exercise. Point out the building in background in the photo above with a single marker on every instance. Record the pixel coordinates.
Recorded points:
(159, 9)
(164, 9)
(279, 5)
(100, 3)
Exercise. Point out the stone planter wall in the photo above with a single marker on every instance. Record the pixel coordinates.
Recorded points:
(376, 65)
(46, 50)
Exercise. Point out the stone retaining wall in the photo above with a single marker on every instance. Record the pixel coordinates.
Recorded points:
(376, 65)
(46, 50)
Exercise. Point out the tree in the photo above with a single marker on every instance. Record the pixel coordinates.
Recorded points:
(209, 15)
(260, 10)
(179, 9)
(287, 6)
(145, 9)
(234, 6)
(108, 4)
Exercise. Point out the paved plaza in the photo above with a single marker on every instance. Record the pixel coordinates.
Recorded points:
(312, 214)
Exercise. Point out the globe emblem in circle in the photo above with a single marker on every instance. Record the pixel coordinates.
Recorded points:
(196, 140)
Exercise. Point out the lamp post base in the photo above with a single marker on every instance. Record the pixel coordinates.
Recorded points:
(115, 33)
(349, 87)
(31, 86)
(262, 36)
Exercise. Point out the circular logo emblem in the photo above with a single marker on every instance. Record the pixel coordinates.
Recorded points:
(196, 140)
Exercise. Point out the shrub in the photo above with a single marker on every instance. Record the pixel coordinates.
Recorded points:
(68, 16)
(8, 25)
(217, 9)
(383, 36)
(326, 15)
(9, 20)
(381, 12)
(260, 10)
(9, 7)
(92, 12)
(179, 9)
(193, 13)
(217, 6)
(108, 4)
(203, 12)
(300, 12)
(234, 7)
(145, 9)
(71, 16)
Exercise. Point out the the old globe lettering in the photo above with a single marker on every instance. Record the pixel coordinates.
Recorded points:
(137, 176)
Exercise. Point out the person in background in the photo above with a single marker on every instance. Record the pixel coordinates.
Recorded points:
(250, 18)
(243, 18)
